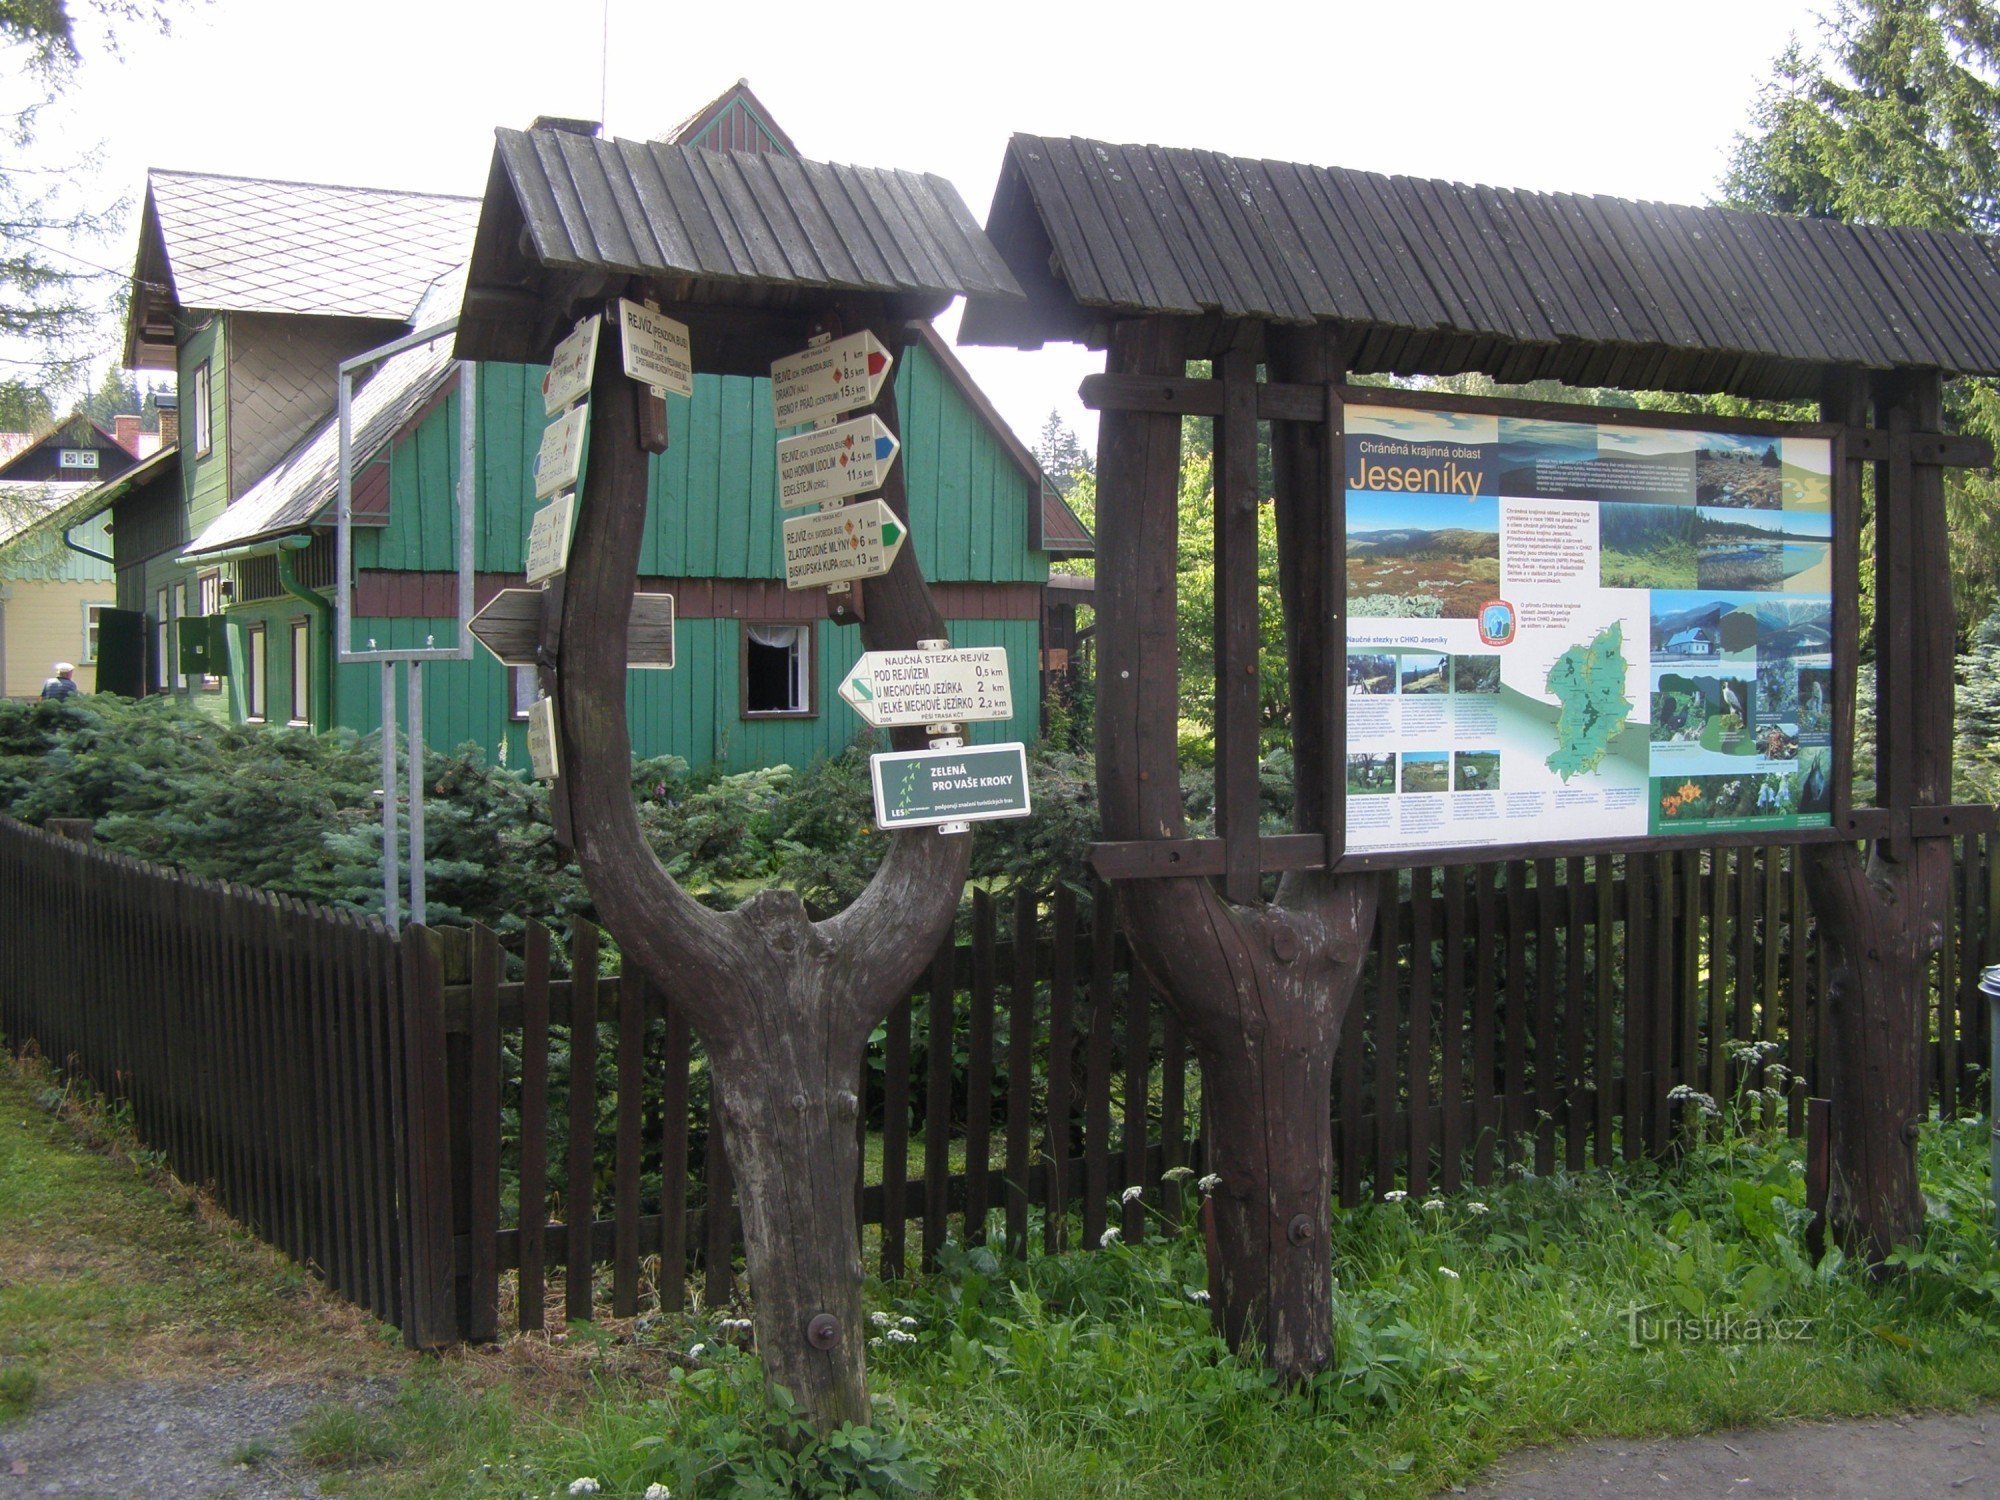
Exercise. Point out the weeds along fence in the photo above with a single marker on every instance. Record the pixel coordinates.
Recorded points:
(436, 1136)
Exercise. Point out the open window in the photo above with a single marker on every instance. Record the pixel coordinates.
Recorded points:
(777, 671)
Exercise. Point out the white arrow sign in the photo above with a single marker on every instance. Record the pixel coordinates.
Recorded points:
(655, 348)
(831, 463)
(542, 755)
(826, 381)
(569, 367)
(836, 546)
(930, 687)
(548, 537)
(561, 454)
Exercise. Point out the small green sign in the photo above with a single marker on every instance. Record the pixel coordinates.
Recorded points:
(918, 788)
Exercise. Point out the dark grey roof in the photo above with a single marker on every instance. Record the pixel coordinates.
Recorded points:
(1435, 276)
(712, 229)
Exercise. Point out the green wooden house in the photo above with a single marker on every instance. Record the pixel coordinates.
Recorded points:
(235, 581)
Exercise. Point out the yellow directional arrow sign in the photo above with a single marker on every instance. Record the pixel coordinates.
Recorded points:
(836, 546)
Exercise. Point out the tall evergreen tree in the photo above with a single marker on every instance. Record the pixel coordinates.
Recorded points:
(1062, 456)
(1895, 119)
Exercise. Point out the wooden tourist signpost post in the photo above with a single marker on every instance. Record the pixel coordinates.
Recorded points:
(1477, 669)
(784, 1005)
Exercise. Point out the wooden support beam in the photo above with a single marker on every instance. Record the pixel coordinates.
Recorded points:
(1237, 632)
(1140, 859)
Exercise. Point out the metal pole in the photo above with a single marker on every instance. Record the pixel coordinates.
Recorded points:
(468, 468)
(389, 796)
(343, 525)
(416, 758)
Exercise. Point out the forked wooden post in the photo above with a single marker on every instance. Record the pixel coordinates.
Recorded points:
(784, 1005)
(1262, 988)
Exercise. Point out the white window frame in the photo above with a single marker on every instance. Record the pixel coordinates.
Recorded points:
(163, 639)
(210, 594)
(801, 668)
(204, 426)
(524, 686)
(180, 614)
(301, 704)
(256, 667)
(93, 619)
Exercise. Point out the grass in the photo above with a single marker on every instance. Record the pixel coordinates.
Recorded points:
(1464, 1328)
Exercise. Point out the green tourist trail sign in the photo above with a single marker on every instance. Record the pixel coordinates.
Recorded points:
(1571, 625)
(921, 788)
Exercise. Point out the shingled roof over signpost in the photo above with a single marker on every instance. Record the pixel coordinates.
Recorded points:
(724, 234)
(1435, 277)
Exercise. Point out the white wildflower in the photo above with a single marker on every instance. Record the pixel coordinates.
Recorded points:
(1477, 1208)
(1433, 1205)
(1394, 1195)
(1210, 1183)
(1109, 1238)
(907, 1323)
(658, 1492)
(584, 1486)
(900, 1336)
(1448, 1271)
(1132, 1194)
(695, 1351)
(1178, 1174)
(876, 1342)
(880, 1319)
(1199, 1294)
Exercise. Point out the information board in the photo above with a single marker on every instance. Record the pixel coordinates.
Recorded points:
(1576, 631)
(922, 788)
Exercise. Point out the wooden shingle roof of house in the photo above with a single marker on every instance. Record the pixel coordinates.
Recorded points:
(245, 244)
(565, 211)
(1436, 277)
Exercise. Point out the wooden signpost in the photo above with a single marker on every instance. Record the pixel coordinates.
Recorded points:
(888, 688)
(831, 463)
(838, 376)
(838, 546)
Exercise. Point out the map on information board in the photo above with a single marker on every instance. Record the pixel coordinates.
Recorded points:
(1580, 631)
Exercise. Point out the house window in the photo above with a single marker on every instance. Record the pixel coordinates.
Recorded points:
(777, 670)
(162, 640)
(180, 614)
(93, 617)
(301, 672)
(256, 696)
(211, 604)
(527, 688)
(203, 432)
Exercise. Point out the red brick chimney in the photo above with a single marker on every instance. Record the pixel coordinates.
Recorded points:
(125, 427)
(170, 418)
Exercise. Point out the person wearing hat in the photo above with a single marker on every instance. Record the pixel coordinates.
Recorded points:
(63, 684)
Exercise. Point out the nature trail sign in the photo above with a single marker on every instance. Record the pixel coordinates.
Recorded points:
(889, 688)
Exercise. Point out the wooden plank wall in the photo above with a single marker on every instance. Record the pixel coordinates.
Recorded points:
(428, 1145)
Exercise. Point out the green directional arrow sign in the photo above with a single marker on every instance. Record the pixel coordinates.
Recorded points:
(836, 546)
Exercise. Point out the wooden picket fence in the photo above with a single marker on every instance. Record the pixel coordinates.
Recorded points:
(425, 1130)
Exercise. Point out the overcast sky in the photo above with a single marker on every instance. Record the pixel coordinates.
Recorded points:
(1601, 96)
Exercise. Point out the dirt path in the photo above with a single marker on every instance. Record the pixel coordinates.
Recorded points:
(1887, 1458)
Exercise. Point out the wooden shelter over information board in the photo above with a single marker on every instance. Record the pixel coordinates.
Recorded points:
(1293, 279)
